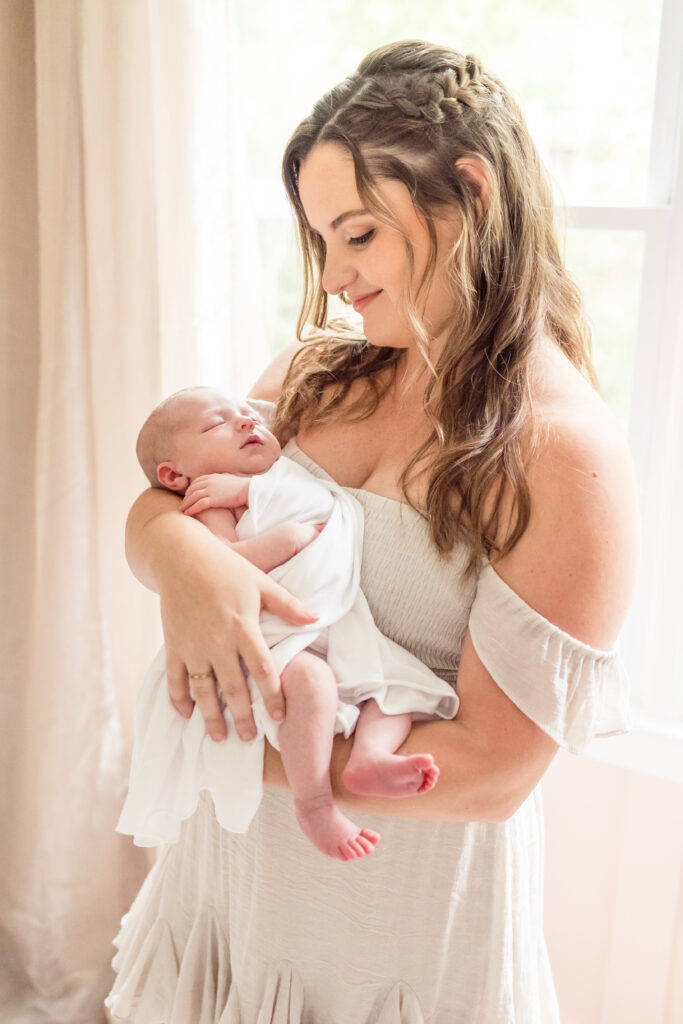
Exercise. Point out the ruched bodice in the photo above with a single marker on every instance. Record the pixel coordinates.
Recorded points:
(417, 599)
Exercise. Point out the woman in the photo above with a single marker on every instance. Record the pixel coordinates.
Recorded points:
(501, 547)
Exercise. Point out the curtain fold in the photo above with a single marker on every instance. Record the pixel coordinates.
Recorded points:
(112, 205)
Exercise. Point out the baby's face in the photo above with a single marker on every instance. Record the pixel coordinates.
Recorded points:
(218, 434)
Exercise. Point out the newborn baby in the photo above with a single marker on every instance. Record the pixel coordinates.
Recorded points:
(336, 674)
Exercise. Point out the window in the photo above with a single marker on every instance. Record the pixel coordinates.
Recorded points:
(601, 85)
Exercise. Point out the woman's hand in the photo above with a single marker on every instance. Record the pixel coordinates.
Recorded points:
(211, 599)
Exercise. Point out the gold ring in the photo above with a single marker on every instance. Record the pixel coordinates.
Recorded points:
(201, 675)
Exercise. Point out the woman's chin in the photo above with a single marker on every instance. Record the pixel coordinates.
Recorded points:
(384, 338)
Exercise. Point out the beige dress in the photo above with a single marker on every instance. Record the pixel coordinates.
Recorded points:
(442, 924)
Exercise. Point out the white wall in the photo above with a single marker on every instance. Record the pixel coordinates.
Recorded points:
(614, 893)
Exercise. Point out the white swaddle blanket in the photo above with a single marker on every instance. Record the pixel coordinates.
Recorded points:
(174, 758)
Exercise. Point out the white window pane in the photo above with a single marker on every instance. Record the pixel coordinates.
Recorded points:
(608, 267)
(582, 70)
(282, 280)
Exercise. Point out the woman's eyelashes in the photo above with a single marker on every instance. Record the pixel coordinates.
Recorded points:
(362, 239)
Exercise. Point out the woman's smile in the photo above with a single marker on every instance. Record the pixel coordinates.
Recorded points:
(362, 301)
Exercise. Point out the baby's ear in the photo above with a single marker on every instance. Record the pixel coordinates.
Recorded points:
(169, 477)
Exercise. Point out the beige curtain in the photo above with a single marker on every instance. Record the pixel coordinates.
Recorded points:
(122, 187)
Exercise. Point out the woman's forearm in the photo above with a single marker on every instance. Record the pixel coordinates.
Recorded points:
(159, 536)
(474, 785)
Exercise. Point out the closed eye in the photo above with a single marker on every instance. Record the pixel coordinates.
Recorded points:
(362, 239)
(212, 426)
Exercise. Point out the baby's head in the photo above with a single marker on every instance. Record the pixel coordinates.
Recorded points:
(198, 431)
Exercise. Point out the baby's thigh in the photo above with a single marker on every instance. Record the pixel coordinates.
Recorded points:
(308, 676)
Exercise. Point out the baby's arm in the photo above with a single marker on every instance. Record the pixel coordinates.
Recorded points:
(268, 549)
(213, 498)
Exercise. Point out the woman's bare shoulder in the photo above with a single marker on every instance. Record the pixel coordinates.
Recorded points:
(578, 433)
(577, 560)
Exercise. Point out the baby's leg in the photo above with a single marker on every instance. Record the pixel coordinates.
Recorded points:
(374, 769)
(305, 737)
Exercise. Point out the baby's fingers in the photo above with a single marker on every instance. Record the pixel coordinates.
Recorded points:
(191, 495)
(197, 505)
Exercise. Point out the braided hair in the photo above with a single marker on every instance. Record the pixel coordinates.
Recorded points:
(408, 114)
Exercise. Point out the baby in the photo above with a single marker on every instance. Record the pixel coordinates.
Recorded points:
(217, 453)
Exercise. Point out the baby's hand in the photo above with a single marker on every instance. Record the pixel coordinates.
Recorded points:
(302, 534)
(216, 490)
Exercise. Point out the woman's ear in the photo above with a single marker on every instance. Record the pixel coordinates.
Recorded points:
(474, 168)
(169, 477)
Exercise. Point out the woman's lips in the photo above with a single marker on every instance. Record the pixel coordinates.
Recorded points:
(360, 304)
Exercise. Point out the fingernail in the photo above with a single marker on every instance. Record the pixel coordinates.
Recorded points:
(217, 736)
(277, 715)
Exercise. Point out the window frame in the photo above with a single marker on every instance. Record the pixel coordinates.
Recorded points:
(655, 745)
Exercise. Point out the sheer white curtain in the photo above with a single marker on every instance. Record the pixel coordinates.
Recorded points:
(124, 275)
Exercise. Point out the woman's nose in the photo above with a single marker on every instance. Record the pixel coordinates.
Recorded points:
(336, 276)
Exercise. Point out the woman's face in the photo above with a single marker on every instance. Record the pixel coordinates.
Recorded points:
(367, 259)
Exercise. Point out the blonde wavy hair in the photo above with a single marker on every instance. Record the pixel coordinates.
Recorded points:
(409, 112)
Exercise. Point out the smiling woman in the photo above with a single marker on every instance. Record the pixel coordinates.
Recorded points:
(500, 548)
(365, 258)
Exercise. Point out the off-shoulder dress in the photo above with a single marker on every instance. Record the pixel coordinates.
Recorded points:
(442, 924)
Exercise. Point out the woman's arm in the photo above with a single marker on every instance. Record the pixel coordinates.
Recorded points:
(211, 599)
(269, 385)
(576, 565)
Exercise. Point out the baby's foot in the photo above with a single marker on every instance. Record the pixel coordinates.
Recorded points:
(331, 832)
(391, 775)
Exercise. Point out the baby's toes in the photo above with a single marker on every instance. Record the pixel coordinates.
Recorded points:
(347, 850)
(423, 762)
(365, 844)
(358, 847)
(368, 833)
(429, 779)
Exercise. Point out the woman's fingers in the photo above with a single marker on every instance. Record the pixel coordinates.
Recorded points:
(280, 602)
(261, 667)
(178, 685)
(233, 686)
(211, 622)
(203, 691)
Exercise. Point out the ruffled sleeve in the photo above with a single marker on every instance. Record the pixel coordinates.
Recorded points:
(574, 692)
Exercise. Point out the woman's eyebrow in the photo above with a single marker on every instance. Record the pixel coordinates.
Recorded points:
(342, 217)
